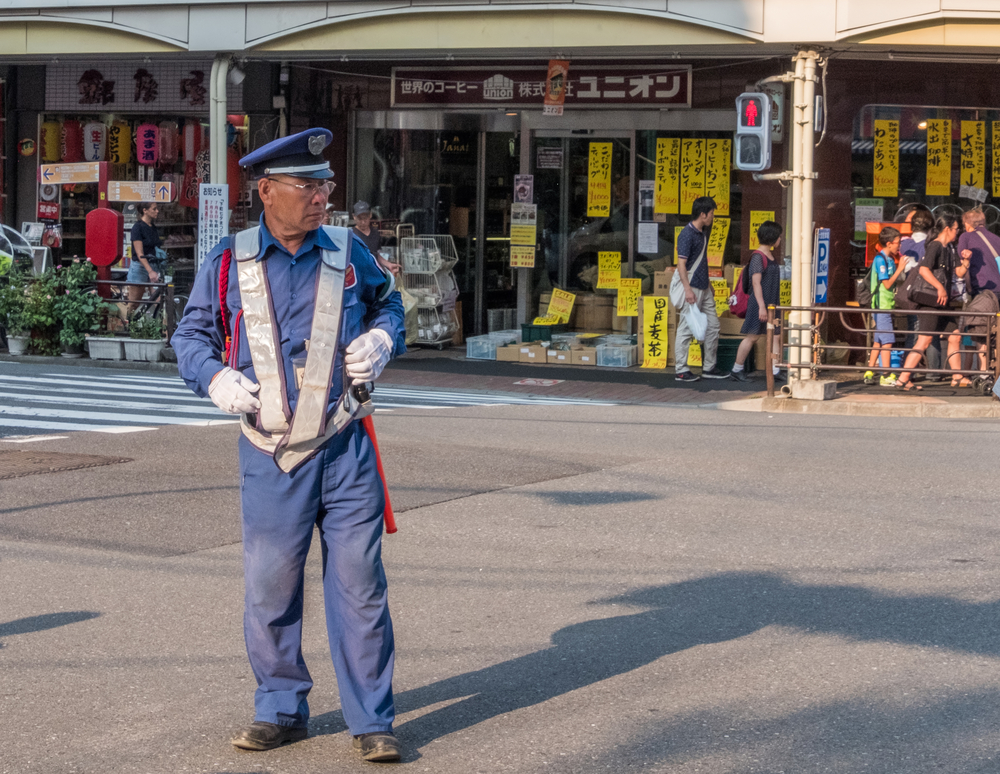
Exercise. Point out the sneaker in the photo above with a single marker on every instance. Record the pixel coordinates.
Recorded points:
(686, 376)
(869, 377)
(738, 376)
(715, 373)
(888, 381)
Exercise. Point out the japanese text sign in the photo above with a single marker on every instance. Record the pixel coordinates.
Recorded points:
(523, 220)
(668, 169)
(717, 241)
(692, 173)
(594, 86)
(973, 154)
(561, 304)
(213, 204)
(654, 331)
(522, 257)
(609, 269)
(886, 158)
(629, 291)
(720, 288)
(938, 157)
(718, 162)
(599, 180)
(757, 217)
(555, 87)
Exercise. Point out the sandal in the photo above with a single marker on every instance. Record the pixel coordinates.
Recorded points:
(908, 386)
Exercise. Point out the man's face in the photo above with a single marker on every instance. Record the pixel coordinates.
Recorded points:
(294, 204)
(364, 220)
(709, 218)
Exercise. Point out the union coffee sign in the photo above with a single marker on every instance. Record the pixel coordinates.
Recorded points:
(587, 87)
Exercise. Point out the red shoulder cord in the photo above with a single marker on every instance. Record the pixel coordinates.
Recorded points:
(224, 313)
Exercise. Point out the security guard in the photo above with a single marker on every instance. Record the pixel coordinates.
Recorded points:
(285, 322)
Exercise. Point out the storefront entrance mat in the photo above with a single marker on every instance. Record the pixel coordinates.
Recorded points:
(14, 464)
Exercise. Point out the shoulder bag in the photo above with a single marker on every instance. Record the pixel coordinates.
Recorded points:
(677, 287)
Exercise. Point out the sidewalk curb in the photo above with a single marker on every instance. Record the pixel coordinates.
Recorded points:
(85, 362)
(987, 409)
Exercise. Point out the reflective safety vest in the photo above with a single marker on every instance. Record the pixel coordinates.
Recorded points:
(293, 437)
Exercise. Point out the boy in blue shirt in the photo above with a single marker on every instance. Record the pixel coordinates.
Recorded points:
(885, 274)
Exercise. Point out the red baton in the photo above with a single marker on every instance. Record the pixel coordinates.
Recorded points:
(390, 519)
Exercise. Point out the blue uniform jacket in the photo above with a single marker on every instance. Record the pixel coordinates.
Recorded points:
(199, 340)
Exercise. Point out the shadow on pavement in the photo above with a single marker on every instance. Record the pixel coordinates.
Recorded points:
(570, 497)
(681, 616)
(39, 623)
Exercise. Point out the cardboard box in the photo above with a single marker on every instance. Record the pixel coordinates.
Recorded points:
(510, 353)
(534, 353)
(594, 316)
(661, 281)
(584, 356)
(729, 325)
(559, 357)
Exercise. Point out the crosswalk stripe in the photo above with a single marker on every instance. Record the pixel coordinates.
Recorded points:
(66, 426)
(88, 383)
(131, 392)
(124, 404)
(143, 379)
(159, 419)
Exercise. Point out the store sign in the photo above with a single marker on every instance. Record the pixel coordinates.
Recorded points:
(609, 270)
(718, 162)
(821, 249)
(717, 238)
(555, 87)
(153, 87)
(523, 224)
(692, 173)
(588, 87)
(654, 331)
(599, 180)
(886, 158)
(720, 291)
(549, 158)
(666, 198)
(62, 174)
(49, 210)
(973, 145)
(213, 205)
(522, 257)
(938, 157)
(629, 292)
(757, 218)
(996, 158)
(560, 305)
(139, 192)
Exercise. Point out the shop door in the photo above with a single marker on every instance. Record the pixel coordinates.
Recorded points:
(571, 170)
(496, 291)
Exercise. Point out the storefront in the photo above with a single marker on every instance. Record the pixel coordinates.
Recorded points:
(444, 154)
(146, 119)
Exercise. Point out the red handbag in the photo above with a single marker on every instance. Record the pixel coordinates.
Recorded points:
(741, 295)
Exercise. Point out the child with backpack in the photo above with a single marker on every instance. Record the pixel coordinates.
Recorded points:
(764, 277)
(883, 278)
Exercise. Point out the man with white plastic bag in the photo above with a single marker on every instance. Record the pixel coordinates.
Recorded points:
(692, 294)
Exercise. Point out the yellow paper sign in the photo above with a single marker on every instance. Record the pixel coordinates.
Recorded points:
(785, 294)
(522, 257)
(717, 241)
(654, 331)
(666, 195)
(599, 180)
(522, 235)
(692, 173)
(718, 162)
(561, 305)
(629, 291)
(609, 269)
(721, 290)
(677, 236)
(757, 217)
(996, 158)
(939, 157)
(886, 158)
(694, 354)
(523, 220)
(549, 319)
(973, 154)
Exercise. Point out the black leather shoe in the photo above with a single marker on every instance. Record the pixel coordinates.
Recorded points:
(266, 736)
(378, 746)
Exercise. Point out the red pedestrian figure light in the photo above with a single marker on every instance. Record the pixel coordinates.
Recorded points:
(750, 112)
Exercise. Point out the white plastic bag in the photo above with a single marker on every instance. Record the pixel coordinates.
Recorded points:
(697, 321)
(409, 314)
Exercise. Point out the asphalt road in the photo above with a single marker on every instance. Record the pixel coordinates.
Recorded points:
(574, 589)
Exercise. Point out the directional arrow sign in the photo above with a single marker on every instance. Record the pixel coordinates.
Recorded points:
(139, 192)
(59, 174)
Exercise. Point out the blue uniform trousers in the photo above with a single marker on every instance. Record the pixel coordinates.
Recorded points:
(339, 491)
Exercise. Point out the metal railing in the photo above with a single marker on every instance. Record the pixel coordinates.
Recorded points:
(166, 297)
(811, 347)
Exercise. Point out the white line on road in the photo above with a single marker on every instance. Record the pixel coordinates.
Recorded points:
(88, 383)
(32, 438)
(108, 403)
(25, 411)
(123, 392)
(67, 426)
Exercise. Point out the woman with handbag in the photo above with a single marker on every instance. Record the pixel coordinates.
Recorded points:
(927, 289)
(764, 277)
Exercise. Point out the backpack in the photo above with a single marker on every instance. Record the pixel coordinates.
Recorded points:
(863, 292)
(741, 294)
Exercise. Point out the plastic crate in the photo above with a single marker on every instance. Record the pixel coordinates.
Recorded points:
(617, 356)
(726, 355)
(509, 336)
(481, 347)
(530, 332)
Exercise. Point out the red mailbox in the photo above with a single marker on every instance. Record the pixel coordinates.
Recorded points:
(105, 234)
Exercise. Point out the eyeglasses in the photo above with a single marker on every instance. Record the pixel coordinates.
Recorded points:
(309, 189)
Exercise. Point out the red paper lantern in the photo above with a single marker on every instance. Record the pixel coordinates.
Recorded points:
(147, 144)
(168, 143)
(72, 141)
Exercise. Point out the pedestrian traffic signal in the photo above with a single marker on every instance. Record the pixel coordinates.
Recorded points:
(753, 131)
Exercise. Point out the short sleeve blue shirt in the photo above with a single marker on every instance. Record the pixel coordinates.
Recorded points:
(689, 246)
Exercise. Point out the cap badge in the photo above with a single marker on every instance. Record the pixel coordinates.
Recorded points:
(316, 144)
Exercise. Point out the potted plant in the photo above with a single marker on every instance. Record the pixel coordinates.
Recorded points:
(38, 316)
(78, 308)
(145, 340)
(12, 303)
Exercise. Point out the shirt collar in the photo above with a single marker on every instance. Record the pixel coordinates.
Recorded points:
(269, 245)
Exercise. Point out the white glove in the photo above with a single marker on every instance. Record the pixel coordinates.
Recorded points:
(367, 356)
(232, 392)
